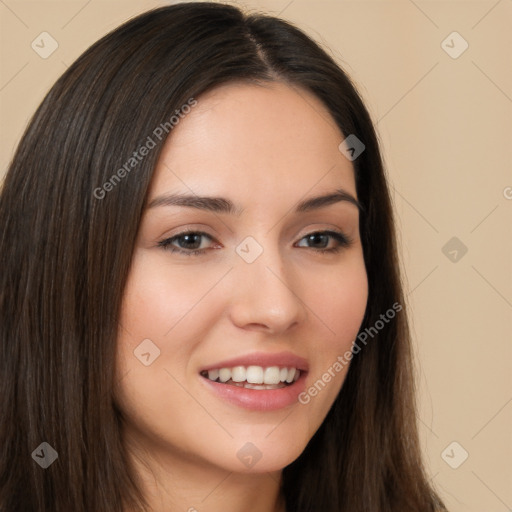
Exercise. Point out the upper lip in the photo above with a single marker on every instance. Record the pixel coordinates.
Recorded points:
(264, 359)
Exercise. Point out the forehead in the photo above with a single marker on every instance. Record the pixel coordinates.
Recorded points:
(257, 140)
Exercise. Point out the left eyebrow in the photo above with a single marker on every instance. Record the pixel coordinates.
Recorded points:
(223, 205)
(339, 195)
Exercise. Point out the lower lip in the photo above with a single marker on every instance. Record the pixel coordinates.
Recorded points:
(259, 399)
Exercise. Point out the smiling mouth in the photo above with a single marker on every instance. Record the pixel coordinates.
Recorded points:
(254, 377)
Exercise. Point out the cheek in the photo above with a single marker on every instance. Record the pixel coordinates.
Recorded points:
(339, 300)
(166, 312)
(158, 296)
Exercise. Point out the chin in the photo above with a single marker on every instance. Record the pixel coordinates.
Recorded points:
(269, 451)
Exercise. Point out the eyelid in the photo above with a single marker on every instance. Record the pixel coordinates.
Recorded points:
(321, 227)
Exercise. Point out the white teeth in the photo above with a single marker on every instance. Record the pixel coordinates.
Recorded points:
(224, 374)
(291, 375)
(238, 374)
(213, 374)
(255, 377)
(271, 375)
(254, 386)
(263, 386)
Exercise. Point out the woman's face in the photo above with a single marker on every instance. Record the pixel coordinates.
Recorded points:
(263, 287)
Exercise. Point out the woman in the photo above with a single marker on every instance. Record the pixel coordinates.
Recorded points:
(201, 307)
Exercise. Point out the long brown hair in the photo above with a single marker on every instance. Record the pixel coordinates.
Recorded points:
(66, 250)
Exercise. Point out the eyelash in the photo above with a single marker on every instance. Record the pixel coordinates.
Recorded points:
(343, 240)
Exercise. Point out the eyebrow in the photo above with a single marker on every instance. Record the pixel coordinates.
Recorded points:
(222, 205)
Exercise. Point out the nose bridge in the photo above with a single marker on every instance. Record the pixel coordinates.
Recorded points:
(265, 294)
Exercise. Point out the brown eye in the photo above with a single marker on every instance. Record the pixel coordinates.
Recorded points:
(320, 240)
(192, 241)
(189, 243)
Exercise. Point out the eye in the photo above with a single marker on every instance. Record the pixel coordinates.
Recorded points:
(195, 243)
(189, 242)
(320, 241)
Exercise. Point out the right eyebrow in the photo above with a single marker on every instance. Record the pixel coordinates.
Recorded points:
(213, 204)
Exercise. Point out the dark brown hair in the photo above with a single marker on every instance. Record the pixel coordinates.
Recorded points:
(66, 253)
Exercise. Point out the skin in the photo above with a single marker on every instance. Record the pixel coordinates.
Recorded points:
(265, 148)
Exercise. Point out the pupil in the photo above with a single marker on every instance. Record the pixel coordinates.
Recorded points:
(191, 240)
(318, 239)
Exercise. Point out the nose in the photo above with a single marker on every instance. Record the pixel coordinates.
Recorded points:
(266, 295)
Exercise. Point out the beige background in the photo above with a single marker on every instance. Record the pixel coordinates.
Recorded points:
(446, 129)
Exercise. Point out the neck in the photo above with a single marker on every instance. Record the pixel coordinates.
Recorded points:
(171, 481)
